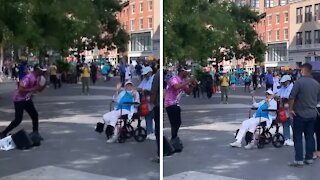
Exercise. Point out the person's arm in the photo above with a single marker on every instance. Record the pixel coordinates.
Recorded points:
(24, 83)
(292, 97)
(178, 86)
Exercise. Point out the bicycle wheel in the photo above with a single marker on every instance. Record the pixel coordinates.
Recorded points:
(140, 134)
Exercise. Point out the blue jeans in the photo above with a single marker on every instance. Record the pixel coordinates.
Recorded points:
(149, 122)
(286, 128)
(305, 126)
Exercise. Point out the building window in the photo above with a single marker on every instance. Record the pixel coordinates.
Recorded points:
(278, 35)
(150, 22)
(141, 41)
(133, 9)
(268, 3)
(150, 5)
(132, 25)
(308, 14)
(317, 12)
(254, 3)
(307, 59)
(299, 38)
(278, 18)
(269, 20)
(269, 35)
(286, 34)
(141, 23)
(308, 37)
(317, 36)
(299, 15)
(283, 2)
(141, 7)
(286, 17)
(277, 52)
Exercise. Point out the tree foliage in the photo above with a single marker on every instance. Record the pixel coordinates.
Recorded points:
(59, 25)
(197, 29)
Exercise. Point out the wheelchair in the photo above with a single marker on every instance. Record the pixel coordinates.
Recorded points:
(126, 130)
(263, 135)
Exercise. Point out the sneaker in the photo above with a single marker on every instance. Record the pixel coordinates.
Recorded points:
(251, 145)
(235, 144)
(151, 137)
(296, 164)
(113, 139)
(308, 162)
(288, 142)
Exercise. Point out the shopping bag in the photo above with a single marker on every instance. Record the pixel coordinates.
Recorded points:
(282, 115)
(144, 107)
(7, 144)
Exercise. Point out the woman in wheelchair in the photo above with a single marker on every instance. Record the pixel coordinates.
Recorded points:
(127, 95)
(251, 124)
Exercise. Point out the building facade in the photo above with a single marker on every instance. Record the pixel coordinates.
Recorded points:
(141, 19)
(304, 32)
(274, 31)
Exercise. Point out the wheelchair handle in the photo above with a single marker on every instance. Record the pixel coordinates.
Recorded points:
(269, 110)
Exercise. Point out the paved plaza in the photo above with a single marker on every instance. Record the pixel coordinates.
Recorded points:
(72, 150)
(207, 129)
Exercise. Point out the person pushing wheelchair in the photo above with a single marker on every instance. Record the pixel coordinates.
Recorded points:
(251, 124)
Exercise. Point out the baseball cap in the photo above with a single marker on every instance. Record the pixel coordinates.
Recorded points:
(285, 78)
(38, 67)
(269, 91)
(128, 82)
(146, 70)
(184, 68)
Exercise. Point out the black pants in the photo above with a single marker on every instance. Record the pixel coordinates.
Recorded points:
(174, 114)
(19, 108)
(269, 86)
(196, 92)
(157, 127)
(54, 80)
(317, 131)
(93, 78)
(122, 79)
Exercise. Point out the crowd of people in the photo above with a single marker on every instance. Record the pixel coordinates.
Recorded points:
(298, 93)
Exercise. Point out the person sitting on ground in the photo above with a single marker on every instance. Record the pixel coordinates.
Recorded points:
(251, 124)
(128, 95)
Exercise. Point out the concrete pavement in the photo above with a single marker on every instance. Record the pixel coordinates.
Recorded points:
(206, 133)
(72, 149)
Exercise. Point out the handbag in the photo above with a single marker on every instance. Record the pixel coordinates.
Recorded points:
(282, 115)
(144, 107)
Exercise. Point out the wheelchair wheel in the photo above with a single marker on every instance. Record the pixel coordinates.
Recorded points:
(268, 136)
(278, 140)
(140, 134)
(122, 137)
(261, 141)
(128, 131)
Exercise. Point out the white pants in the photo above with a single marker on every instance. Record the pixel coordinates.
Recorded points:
(249, 125)
(111, 118)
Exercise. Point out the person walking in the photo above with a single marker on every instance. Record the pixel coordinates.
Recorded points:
(177, 85)
(23, 101)
(122, 70)
(303, 109)
(269, 80)
(53, 75)
(254, 80)
(85, 78)
(233, 81)
(247, 82)
(224, 87)
(93, 73)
